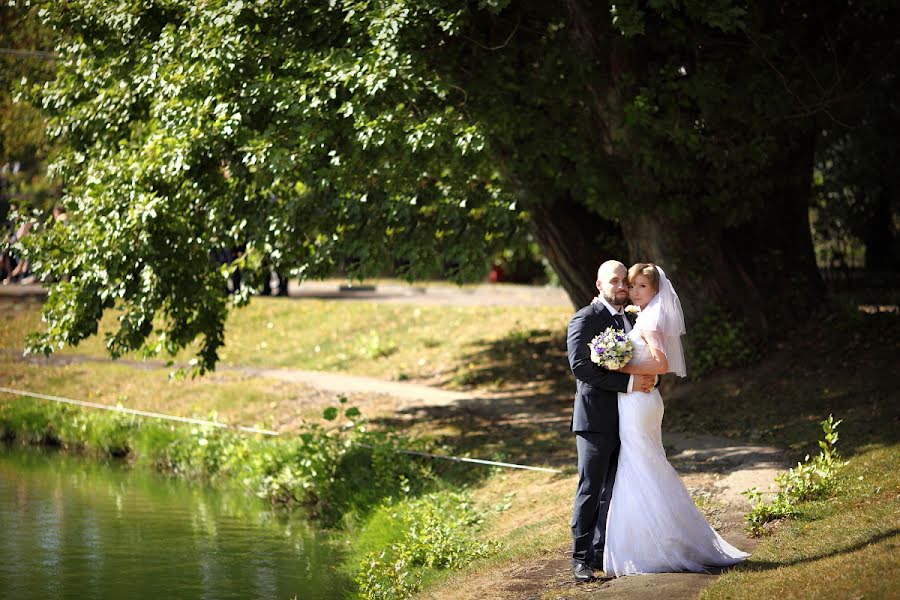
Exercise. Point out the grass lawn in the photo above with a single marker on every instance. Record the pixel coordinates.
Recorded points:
(842, 363)
(844, 547)
(441, 344)
(230, 397)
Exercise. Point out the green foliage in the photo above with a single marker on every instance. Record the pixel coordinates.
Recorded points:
(810, 480)
(522, 262)
(815, 479)
(345, 469)
(717, 340)
(23, 141)
(373, 345)
(763, 512)
(436, 533)
(386, 136)
(310, 136)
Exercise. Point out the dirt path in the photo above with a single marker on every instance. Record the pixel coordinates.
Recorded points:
(407, 393)
(715, 470)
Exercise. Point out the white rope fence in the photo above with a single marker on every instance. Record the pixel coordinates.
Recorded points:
(155, 415)
(134, 411)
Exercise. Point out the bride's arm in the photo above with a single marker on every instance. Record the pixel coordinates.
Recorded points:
(657, 364)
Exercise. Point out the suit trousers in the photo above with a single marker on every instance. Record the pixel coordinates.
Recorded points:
(598, 454)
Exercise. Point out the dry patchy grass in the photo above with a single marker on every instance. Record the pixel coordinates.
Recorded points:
(226, 396)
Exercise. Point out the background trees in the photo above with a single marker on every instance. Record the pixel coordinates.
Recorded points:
(23, 146)
(415, 135)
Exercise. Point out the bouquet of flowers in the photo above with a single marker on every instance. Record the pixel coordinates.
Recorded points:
(611, 349)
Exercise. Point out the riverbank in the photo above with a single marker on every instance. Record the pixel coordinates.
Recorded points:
(432, 520)
(403, 517)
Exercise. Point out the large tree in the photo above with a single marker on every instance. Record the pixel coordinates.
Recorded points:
(373, 134)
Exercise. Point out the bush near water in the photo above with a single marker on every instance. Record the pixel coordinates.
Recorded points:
(334, 472)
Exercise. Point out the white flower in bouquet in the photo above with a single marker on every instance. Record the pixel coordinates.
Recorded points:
(611, 349)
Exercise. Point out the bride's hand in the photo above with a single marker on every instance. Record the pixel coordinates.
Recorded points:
(644, 383)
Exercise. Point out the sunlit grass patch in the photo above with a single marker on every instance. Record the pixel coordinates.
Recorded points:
(389, 341)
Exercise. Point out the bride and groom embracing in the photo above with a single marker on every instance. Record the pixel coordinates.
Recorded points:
(632, 513)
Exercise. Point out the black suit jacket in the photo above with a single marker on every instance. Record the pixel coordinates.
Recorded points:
(596, 388)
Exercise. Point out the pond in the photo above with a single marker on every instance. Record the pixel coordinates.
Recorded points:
(76, 528)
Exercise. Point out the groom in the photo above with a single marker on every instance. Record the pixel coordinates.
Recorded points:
(595, 420)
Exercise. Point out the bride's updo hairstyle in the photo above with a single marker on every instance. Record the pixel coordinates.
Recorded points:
(648, 270)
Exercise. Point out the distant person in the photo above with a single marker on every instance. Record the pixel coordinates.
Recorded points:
(496, 274)
(7, 260)
(226, 256)
(60, 215)
(281, 284)
(15, 268)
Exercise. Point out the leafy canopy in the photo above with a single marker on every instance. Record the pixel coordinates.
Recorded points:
(406, 136)
(304, 133)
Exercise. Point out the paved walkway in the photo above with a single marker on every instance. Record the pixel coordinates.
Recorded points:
(485, 294)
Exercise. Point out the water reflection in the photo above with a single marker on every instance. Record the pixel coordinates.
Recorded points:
(72, 528)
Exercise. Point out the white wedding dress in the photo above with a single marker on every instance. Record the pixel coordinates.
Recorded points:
(653, 525)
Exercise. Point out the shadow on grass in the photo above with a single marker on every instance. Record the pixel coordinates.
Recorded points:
(520, 407)
(523, 360)
(844, 364)
(753, 565)
(841, 363)
(516, 428)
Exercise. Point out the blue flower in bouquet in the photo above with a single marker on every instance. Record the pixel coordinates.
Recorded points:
(611, 349)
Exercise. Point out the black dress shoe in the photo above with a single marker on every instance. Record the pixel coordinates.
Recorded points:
(582, 572)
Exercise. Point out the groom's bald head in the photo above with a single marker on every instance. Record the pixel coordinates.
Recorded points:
(612, 282)
(610, 266)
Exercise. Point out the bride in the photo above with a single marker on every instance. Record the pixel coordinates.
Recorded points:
(653, 525)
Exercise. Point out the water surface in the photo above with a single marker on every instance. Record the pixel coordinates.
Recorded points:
(76, 528)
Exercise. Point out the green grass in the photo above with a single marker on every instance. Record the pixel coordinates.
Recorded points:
(843, 547)
(234, 398)
(390, 341)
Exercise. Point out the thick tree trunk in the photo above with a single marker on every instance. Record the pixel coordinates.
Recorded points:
(878, 234)
(701, 268)
(775, 247)
(762, 272)
(576, 242)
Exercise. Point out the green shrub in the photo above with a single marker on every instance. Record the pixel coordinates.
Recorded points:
(810, 480)
(719, 341)
(437, 533)
(345, 468)
(373, 345)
